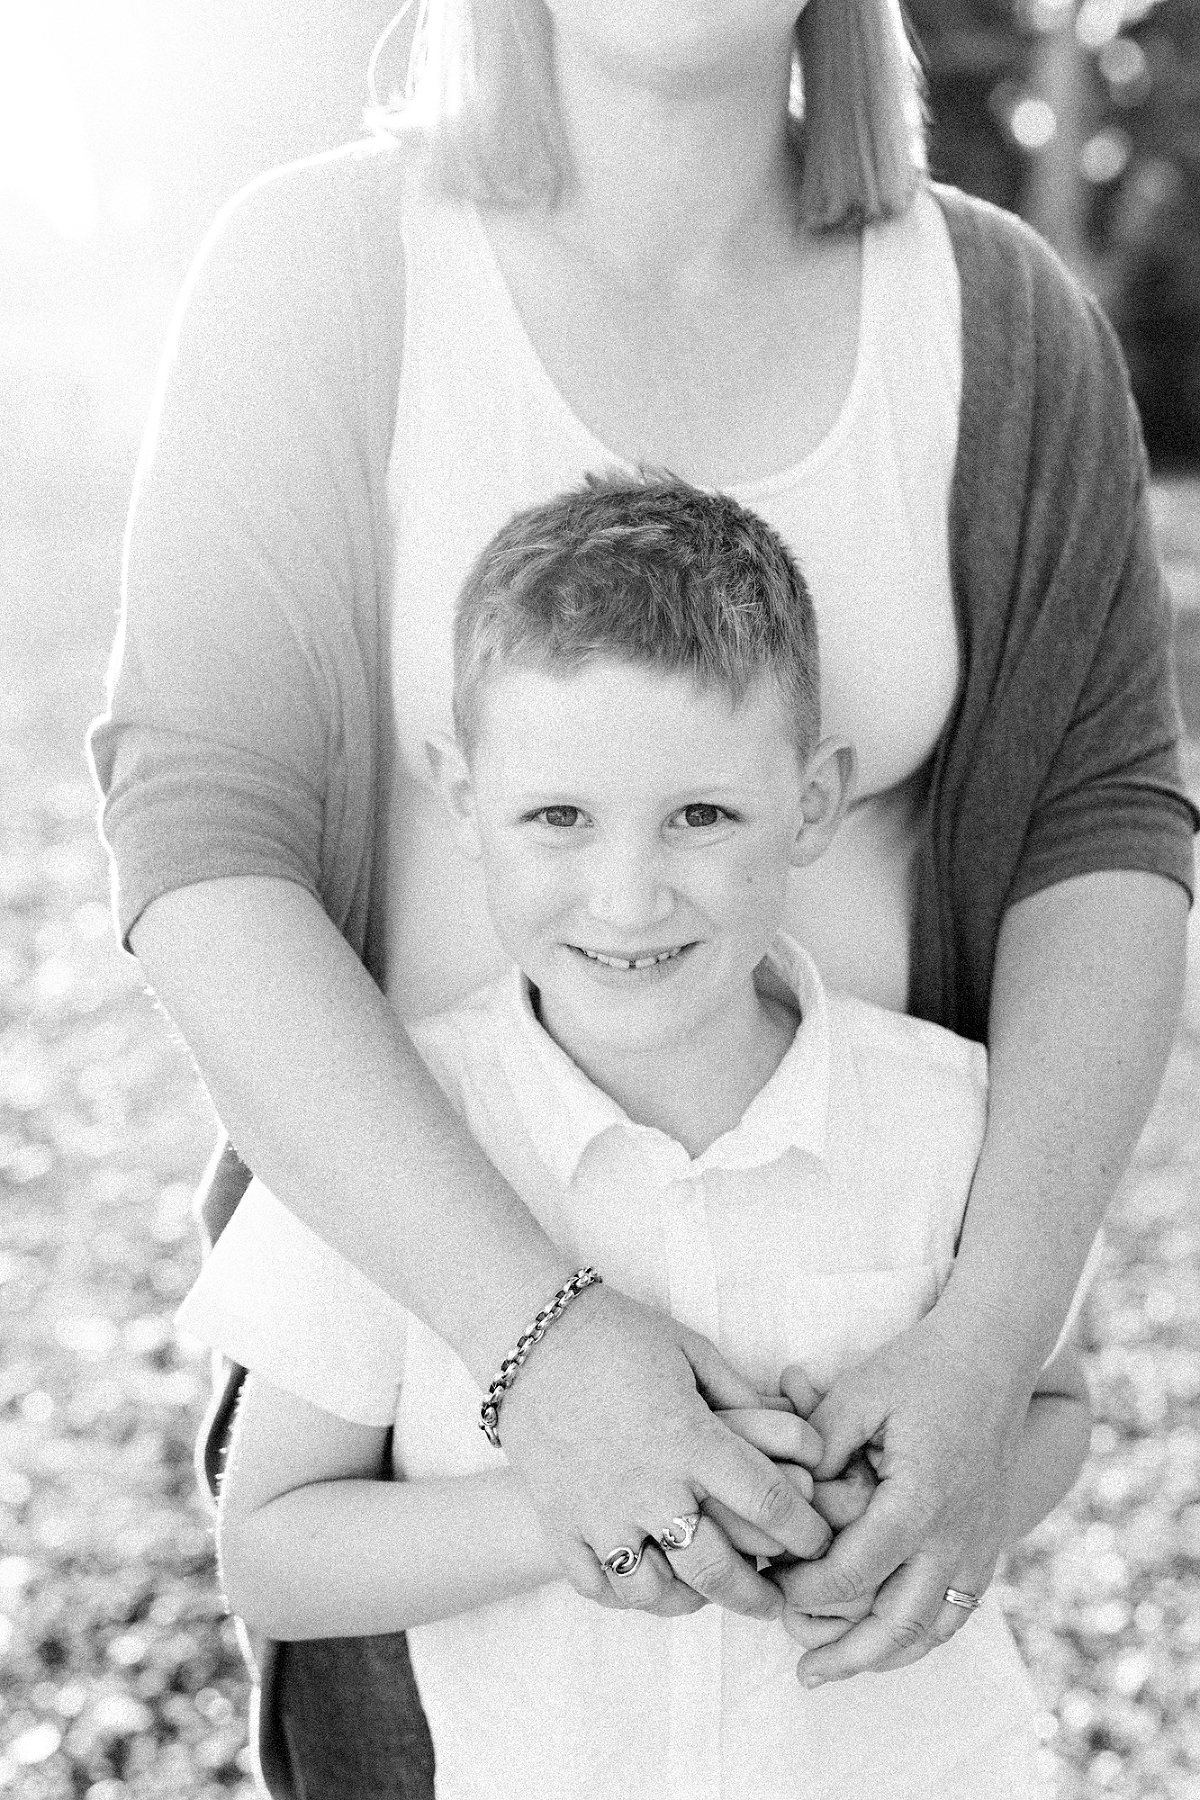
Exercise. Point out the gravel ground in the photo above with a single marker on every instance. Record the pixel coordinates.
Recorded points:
(119, 1680)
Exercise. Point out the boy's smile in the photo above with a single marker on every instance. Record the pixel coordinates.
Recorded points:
(636, 836)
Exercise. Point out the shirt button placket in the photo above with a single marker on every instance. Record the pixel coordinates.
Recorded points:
(697, 1640)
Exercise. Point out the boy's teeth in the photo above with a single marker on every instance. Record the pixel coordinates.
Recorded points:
(620, 962)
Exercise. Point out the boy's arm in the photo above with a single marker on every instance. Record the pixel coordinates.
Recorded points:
(312, 1543)
(1053, 1446)
(328, 1102)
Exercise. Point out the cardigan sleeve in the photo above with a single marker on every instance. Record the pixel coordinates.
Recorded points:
(241, 668)
(1061, 758)
(1114, 796)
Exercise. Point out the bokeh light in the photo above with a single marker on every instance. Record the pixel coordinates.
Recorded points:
(1098, 22)
(1105, 156)
(1032, 122)
(1125, 68)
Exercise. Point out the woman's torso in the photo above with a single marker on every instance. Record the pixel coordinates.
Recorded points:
(482, 430)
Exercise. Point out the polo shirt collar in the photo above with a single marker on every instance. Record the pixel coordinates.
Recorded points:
(564, 1112)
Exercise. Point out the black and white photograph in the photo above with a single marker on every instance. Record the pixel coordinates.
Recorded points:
(599, 985)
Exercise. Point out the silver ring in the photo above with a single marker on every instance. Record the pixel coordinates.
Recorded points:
(957, 1597)
(622, 1561)
(680, 1531)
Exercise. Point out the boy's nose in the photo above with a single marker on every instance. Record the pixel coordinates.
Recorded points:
(628, 890)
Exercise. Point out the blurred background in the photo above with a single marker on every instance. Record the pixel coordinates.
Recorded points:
(124, 124)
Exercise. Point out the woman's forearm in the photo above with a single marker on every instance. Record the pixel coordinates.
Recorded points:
(326, 1099)
(1086, 996)
(356, 1558)
(329, 1104)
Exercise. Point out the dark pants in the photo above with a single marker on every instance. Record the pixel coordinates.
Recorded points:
(337, 1718)
(348, 1713)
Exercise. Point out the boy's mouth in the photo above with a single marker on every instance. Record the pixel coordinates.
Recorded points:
(649, 960)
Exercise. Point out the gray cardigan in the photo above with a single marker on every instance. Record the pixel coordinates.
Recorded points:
(248, 719)
(248, 725)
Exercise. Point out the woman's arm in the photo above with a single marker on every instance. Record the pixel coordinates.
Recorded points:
(238, 760)
(313, 1544)
(1088, 983)
(326, 1099)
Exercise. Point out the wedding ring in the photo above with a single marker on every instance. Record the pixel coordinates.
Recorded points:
(680, 1531)
(622, 1561)
(957, 1597)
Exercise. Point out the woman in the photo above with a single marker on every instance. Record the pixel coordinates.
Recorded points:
(609, 243)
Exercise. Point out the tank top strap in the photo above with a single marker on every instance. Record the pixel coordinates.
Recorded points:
(916, 305)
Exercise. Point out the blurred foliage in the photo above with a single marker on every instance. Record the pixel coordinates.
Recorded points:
(1134, 156)
(119, 1677)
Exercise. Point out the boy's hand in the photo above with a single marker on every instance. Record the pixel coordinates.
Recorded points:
(794, 1448)
(839, 1499)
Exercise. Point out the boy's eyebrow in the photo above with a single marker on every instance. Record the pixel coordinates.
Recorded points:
(566, 789)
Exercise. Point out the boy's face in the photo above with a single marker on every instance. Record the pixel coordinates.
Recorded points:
(636, 837)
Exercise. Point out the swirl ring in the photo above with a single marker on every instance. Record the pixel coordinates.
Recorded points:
(622, 1561)
(680, 1532)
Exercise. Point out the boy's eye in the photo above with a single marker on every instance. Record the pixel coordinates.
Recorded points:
(563, 817)
(700, 814)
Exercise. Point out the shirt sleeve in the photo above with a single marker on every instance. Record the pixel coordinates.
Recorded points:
(275, 1298)
(251, 544)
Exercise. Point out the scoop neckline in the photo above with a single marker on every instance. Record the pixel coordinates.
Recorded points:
(760, 486)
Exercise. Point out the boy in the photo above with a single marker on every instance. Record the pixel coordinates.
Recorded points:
(663, 1079)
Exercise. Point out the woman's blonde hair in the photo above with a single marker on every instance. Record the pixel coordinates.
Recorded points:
(480, 91)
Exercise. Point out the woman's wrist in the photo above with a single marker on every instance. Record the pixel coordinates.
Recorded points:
(520, 1296)
(995, 1337)
(534, 1332)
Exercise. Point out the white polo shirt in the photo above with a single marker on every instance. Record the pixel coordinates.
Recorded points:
(823, 1224)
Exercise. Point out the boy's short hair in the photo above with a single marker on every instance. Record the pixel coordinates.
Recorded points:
(648, 570)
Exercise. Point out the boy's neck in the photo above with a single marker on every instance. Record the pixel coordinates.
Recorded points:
(697, 1090)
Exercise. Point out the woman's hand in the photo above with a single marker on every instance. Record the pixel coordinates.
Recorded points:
(611, 1426)
(942, 1431)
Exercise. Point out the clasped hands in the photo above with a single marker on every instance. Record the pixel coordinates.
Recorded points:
(846, 1516)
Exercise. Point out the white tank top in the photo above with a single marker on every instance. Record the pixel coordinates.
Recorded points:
(481, 431)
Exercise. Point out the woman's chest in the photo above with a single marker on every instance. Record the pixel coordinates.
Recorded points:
(489, 421)
(718, 378)
(483, 430)
(877, 570)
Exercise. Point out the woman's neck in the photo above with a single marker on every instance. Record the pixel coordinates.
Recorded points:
(676, 174)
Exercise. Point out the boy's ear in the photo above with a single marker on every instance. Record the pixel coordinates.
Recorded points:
(828, 779)
(452, 778)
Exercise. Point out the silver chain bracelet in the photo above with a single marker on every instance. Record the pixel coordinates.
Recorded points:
(489, 1412)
